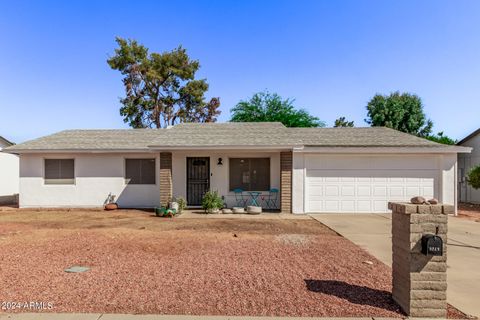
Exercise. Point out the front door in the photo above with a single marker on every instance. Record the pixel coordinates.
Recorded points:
(198, 179)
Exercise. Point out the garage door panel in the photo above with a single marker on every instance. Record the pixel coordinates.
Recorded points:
(364, 206)
(379, 206)
(380, 191)
(366, 190)
(315, 191)
(348, 190)
(332, 206)
(413, 191)
(428, 192)
(396, 191)
(347, 205)
(332, 191)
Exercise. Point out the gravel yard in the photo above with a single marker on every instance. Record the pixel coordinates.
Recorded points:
(143, 264)
(469, 211)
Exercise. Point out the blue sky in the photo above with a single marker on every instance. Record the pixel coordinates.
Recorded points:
(331, 56)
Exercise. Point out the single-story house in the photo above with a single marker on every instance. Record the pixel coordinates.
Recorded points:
(467, 161)
(9, 180)
(314, 169)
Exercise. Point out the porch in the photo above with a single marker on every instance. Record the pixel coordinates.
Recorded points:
(189, 174)
(269, 215)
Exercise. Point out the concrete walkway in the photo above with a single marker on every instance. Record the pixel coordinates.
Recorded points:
(373, 233)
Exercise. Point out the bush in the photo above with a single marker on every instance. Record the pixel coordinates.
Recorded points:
(212, 201)
(474, 177)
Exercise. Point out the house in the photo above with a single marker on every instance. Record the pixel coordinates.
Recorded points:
(467, 161)
(8, 174)
(314, 169)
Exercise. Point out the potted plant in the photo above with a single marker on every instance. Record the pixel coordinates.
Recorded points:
(160, 211)
(212, 202)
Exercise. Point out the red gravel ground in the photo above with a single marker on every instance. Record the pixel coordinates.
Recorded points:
(143, 264)
(469, 211)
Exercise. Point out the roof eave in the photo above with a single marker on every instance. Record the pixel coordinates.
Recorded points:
(386, 149)
(33, 151)
(470, 136)
(221, 147)
(9, 143)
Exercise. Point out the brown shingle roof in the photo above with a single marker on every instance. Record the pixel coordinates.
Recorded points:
(256, 134)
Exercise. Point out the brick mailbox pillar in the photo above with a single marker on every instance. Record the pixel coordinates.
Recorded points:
(420, 276)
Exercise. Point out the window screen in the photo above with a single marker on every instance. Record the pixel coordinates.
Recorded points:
(140, 171)
(59, 171)
(250, 174)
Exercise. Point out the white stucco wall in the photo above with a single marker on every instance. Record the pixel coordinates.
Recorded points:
(219, 179)
(448, 172)
(9, 180)
(442, 166)
(96, 175)
(467, 161)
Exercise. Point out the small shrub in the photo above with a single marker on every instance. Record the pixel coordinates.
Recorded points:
(474, 177)
(212, 201)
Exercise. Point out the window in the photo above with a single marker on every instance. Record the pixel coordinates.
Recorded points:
(59, 171)
(140, 171)
(250, 174)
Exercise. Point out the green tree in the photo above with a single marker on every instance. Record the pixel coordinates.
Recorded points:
(441, 138)
(400, 111)
(160, 88)
(270, 107)
(341, 122)
(474, 177)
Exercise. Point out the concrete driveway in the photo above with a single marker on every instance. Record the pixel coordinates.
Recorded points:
(373, 233)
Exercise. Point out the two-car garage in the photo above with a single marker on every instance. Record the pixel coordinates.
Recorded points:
(363, 183)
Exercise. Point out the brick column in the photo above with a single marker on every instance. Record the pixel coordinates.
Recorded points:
(166, 185)
(286, 181)
(419, 281)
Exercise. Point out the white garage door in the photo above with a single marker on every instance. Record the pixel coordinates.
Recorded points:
(366, 183)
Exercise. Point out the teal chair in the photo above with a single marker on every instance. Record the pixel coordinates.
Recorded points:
(271, 199)
(240, 198)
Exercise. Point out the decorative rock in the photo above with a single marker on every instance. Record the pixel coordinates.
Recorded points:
(433, 201)
(238, 210)
(111, 206)
(254, 210)
(227, 211)
(76, 269)
(418, 200)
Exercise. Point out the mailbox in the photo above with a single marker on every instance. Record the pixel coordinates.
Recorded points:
(432, 245)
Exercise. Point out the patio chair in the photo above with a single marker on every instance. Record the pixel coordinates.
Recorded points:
(240, 198)
(271, 199)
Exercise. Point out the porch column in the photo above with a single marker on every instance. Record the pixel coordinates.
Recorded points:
(286, 181)
(166, 185)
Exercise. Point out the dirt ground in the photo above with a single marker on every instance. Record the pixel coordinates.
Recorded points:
(144, 264)
(469, 211)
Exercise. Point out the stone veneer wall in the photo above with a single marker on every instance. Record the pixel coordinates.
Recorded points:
(286, 160)
(166, 184)
(419, 281)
